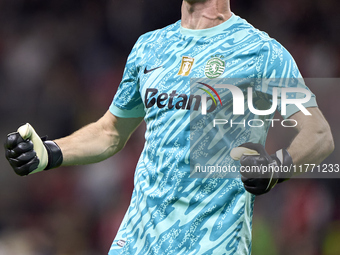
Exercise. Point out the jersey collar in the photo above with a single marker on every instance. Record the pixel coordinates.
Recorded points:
(210, 31)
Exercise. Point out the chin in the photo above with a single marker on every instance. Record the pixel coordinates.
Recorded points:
(195, 1)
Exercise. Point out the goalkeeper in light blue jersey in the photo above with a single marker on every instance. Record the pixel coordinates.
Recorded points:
(177, 207)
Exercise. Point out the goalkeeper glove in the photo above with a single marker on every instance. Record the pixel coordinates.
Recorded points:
(27, 153)
(261, 171)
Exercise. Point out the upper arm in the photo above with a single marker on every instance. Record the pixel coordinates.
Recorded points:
(126, 111)
(280, 75)
(315, 122)
(127, 102)
(314, 141)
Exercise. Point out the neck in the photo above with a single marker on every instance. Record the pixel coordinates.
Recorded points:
(204, 13)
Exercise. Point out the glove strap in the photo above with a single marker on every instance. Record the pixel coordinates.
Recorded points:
(286, 161)
(55, 156)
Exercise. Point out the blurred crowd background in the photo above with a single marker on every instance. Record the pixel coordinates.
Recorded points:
(60, 64)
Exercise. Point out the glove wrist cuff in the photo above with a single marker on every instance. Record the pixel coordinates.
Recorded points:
(286, 161)
(55, 156)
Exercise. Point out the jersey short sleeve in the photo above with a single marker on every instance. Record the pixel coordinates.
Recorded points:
(277, 69)
(127, 102)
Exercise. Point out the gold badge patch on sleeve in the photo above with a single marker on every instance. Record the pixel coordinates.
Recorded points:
(186, 66)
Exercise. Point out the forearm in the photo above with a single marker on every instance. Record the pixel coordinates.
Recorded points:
(90, 144)
(97, 141)
(313, 142)
(27, 153)
(312, 145)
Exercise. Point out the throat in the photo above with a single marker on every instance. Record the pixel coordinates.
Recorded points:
(207, 21)
(204, 15)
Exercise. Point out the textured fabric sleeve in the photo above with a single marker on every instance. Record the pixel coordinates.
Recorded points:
(277, 69)
(127, 102)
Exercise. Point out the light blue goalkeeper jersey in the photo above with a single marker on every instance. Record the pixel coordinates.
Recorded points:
(171, 212)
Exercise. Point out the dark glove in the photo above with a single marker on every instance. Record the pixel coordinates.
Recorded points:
(27, 153)
(261, 171)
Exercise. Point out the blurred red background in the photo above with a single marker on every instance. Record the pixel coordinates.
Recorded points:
(60, 65)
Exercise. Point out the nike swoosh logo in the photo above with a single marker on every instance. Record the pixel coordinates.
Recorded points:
(153, 69)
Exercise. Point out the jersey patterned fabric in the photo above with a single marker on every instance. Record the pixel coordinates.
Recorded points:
(170, 212)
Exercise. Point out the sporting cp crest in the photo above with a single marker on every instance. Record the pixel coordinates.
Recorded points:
(214, 68)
